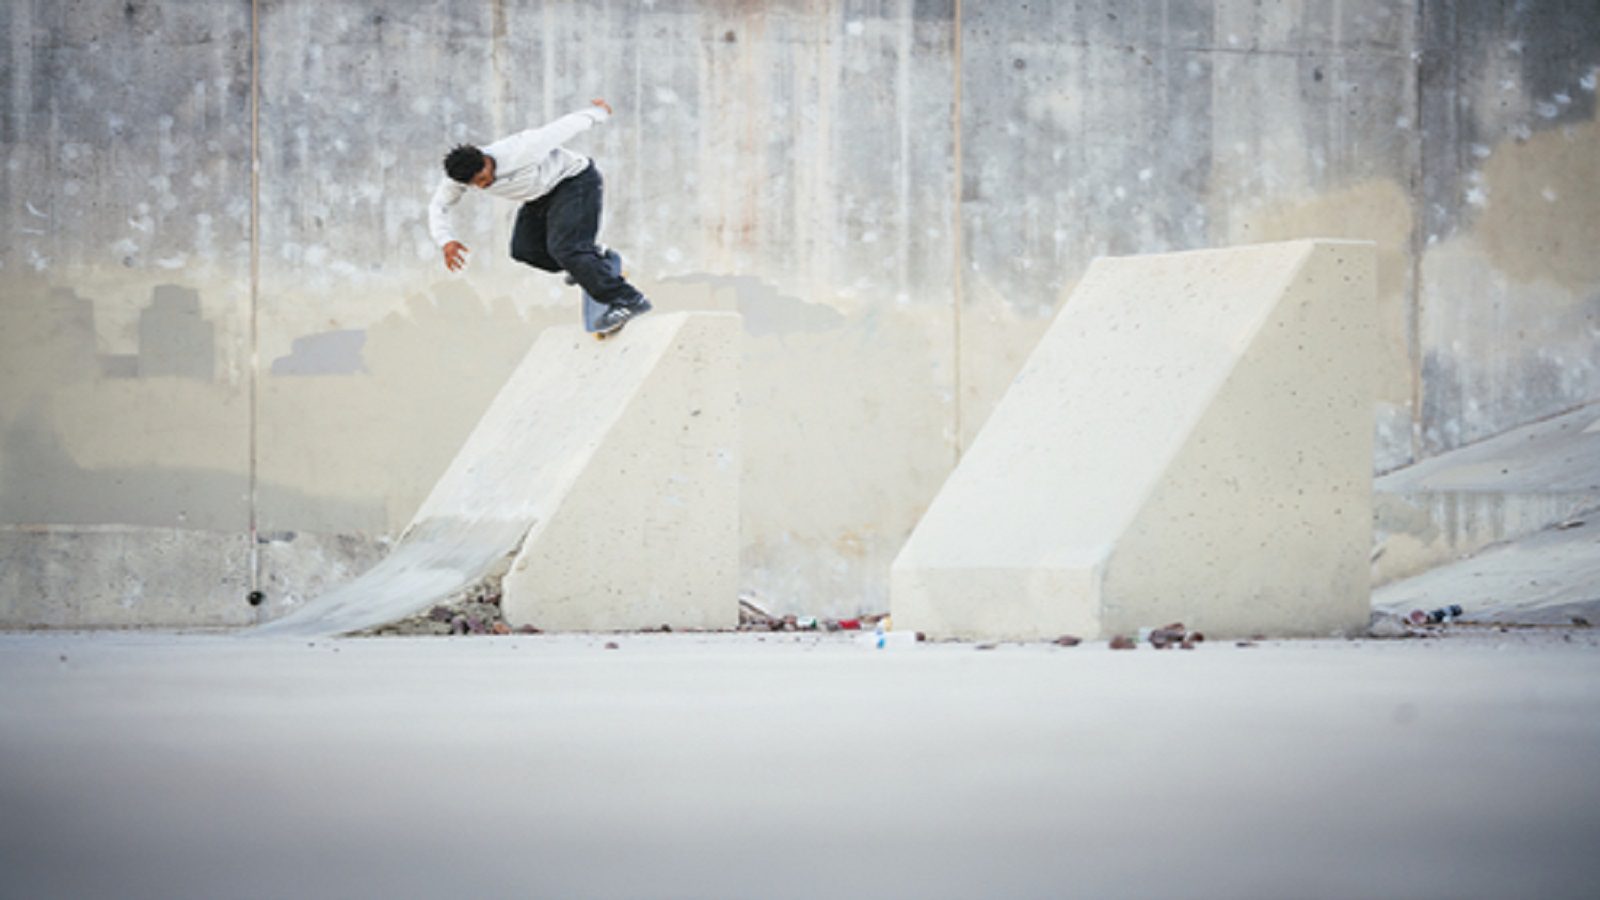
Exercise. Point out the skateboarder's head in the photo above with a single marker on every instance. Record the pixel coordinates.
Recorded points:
(468, 165)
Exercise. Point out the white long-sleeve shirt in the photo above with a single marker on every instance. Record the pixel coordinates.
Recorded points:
(527, 165)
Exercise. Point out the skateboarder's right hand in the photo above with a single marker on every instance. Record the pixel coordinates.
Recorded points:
(455, 255)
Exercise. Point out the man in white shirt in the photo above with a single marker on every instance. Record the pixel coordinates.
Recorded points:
(560, 192)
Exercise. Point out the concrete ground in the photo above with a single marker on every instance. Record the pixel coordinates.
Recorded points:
(737, 765)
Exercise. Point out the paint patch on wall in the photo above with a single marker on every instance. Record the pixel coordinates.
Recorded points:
(175, 340)
(1542, 207)
(328, 353)
(766, 310)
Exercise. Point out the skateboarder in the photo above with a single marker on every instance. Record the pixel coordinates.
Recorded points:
(560, 192)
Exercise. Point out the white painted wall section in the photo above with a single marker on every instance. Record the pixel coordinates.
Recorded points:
(609, 470)
(1191, 440)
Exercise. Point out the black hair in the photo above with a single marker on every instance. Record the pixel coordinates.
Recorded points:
(463, 162)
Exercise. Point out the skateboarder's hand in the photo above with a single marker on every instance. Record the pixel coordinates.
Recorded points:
(602, 104)
(455, 255)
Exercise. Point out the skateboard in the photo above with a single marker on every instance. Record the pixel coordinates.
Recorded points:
(593, 309)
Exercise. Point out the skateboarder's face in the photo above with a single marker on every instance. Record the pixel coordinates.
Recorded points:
(485, 176)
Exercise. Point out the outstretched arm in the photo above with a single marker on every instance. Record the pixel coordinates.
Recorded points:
(532, 145)
(445, 196)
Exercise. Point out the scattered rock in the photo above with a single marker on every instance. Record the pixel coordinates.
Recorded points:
(1066, 640)
(1162, 638)
(1173, 634)
(985, 646)
(611, 645)
(1123, 642)
(502, 628)
(1244, 643)
(1580, 621)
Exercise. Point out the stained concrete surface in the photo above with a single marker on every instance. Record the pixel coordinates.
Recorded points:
(169, 765)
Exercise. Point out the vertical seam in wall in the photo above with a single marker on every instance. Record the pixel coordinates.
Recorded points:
(1419, 228)
(255, 283)
(956, 234)
(1419, 224)
(500, 89)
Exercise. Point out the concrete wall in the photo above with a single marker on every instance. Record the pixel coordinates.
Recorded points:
(897, 196)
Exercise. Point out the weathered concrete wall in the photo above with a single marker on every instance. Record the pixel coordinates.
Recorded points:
(1509, 300)
(895, 195)
(125, 346)
(1104, 128)
(124, 330)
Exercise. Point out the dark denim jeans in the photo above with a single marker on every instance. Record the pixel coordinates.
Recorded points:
(556, 233)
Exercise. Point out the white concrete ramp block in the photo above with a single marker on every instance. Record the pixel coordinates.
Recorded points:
(646, 532)
(1190, 441)
(609, 471)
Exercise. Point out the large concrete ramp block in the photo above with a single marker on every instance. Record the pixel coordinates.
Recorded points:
(1263, 521)
(1190, 440)
(647, 532)
(620, 455)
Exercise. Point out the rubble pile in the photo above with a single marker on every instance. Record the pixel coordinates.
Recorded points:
(474, 610)
(1164, 638)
